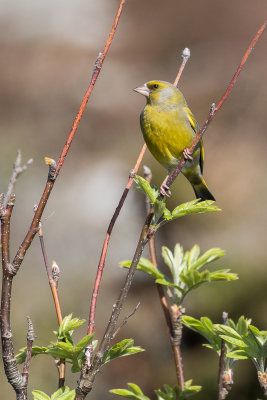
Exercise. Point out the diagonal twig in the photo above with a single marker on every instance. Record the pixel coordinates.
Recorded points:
(214, 110)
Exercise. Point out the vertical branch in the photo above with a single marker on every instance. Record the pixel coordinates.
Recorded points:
(30, 339)
(88, 372)
(13, 375)
(53, 286)
(103, 255)
(173, 314)
(222, 391)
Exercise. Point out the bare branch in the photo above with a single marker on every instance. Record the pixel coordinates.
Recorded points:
(124, 322)
(30, 339)
(18, 169)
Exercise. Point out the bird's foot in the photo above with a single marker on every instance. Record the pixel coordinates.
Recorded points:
(187, 154)
(165, 190)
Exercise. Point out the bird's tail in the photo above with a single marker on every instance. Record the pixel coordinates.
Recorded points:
(201, 191)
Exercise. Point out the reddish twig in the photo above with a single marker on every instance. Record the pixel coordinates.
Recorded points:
(53, 286)
(106, 241)
(185, 57)
(96, 72)
(52, 283)
(216, 108)
(51, 180)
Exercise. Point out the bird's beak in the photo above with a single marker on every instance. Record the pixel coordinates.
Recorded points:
(142, 90)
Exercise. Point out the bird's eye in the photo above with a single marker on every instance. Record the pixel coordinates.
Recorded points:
(155, 86)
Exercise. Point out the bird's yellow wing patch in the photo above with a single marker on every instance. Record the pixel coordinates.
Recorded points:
(191, 119)
(195, 127)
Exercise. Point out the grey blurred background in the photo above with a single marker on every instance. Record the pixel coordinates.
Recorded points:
(48, 50)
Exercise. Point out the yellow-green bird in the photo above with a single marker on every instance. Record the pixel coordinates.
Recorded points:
(169, 129)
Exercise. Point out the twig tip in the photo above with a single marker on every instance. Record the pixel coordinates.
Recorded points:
(186, 53)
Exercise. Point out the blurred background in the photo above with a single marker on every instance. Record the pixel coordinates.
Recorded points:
(48, 50)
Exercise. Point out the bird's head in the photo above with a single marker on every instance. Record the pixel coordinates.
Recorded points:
(160, 92)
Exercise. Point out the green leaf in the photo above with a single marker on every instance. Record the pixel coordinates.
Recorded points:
(134, 392)
(20, 357)
(146, 188)
(209, 256)
(193, 256)
(63, 394)
(121, 349)
(176, 393)
(233, 341)
(39, 395)
(84, 342)
(160, 209)
(238, 354)
(204, 327)
(194, 207)
(144, 265)
(69, 324)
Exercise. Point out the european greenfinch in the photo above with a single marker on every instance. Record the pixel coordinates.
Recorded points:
(169, 129)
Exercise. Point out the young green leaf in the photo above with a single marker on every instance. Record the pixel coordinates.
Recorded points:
(20, 357)
(204, 327)
(63, 393)
(144, 265)
(134, 392)
(39, 395)
(146, 188)
(121, 349)
(194, 207)
(176, 393)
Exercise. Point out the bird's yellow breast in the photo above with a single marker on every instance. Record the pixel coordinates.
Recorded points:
(167, 132)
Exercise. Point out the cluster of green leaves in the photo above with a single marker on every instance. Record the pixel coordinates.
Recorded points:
(242, 340)
(65, 348)
(176, 393)
(246, 342)
(63, 393)
(186, 269)
(162, 214)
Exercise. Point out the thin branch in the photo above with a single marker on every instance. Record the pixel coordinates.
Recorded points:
(18, 169)
(222, 392)
(53, 283)
(103, 255)
(125, 320)
(98, 65)
(12, 372)
(30, 340)
(185, 57)
(218, 106)
(51, 280)
(172, 316)
(88, 372)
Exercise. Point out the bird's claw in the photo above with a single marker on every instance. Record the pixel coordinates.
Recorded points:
(187, 154)
(165, 190)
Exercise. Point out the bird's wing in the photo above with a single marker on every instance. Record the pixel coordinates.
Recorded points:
(195, 127)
